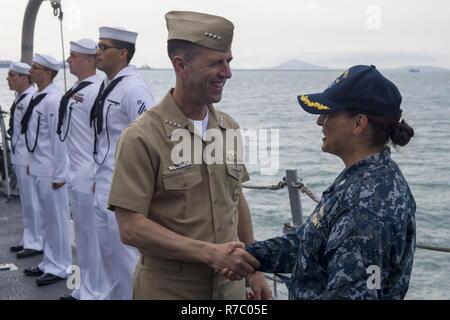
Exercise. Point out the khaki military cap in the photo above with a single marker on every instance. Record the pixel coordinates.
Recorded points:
(207, 30)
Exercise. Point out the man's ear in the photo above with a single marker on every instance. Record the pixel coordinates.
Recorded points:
(49, 72)
(124, 54)
(179, 64)
(360, 124)
(92, 60)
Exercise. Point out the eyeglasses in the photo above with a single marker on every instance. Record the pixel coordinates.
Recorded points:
(16, 74)
(104, 47)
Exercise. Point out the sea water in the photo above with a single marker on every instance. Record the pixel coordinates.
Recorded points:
(266, 100)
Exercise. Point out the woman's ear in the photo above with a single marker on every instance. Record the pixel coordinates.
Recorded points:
(360, 123)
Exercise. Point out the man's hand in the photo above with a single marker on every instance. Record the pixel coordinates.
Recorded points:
(260, 287)
(56, 186)
(233, 258)
(227, 273)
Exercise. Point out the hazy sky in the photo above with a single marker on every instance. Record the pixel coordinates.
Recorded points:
(335, 33)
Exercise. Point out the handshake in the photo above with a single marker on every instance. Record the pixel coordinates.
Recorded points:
(232, 261)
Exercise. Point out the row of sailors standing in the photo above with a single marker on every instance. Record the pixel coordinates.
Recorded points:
(63, 155)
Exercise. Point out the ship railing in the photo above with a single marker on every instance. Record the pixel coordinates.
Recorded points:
(295, 187)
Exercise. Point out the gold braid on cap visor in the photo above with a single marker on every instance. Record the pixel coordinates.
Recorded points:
(311, 104)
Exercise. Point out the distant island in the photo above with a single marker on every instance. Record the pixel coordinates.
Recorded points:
(5, 63)
(296, 65)
(299, 65)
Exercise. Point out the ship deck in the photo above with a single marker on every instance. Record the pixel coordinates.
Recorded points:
(14, 285)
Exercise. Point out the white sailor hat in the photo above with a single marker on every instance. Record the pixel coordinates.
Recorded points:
(47, 61)
(20, 67)
(84, 46)
(118, 33)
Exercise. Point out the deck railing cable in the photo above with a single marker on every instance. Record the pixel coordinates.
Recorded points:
(304, 189)
(288, 228)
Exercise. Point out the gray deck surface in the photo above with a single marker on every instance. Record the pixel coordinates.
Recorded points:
(14, 285)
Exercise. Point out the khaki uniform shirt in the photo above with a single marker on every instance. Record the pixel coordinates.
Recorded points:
(191, 198)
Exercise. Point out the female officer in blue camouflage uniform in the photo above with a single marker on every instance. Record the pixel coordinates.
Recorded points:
(359, 242)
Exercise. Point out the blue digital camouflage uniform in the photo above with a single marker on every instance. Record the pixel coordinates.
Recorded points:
(365, 218)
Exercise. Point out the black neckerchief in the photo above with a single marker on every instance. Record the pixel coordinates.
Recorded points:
(97, 108)
(26, 117)
(13, 109)
(65, 101)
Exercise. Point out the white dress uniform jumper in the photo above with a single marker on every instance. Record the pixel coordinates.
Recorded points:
(122, 100)
(48, 165)
(32, 233)
(75, 131)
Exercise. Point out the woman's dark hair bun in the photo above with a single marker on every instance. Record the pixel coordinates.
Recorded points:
(401, 133)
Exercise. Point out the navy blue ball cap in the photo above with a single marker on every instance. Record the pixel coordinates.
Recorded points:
(361, 88)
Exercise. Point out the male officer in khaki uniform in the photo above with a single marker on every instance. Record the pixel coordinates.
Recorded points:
(180, 214)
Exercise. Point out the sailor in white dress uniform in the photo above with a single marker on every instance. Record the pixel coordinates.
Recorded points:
(32, 241)
(74, 129)
(123, 97)
(49, 169)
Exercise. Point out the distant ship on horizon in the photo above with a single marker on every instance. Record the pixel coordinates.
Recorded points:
(145, 67)
(414, 70)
